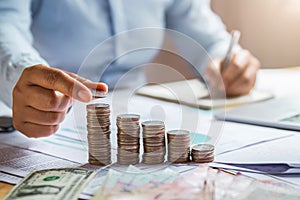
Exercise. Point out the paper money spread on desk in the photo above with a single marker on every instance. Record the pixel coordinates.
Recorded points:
(54, 184)
(200, 183)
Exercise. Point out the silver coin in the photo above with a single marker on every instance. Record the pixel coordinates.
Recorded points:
(128, 117)
(178, 132)
(203, 147)
(153, 124)
(98, 94)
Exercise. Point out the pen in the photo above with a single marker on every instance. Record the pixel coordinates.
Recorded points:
(235, 37)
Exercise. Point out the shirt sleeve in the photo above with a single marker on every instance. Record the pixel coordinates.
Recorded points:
(196, 19)
(16, 50)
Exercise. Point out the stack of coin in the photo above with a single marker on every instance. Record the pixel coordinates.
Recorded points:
(154, 142)
(203, 153)
(128, 137)
(98, 127)
(178, 146)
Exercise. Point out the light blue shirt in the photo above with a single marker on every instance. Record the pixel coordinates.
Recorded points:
(61, 33)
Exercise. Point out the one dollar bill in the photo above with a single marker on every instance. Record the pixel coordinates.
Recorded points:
(54, 184)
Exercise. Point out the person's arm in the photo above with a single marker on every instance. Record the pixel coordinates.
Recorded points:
(39, 95)
(16, 51)
(196, 19)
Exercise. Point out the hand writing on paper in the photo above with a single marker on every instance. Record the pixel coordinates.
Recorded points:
(238, 78)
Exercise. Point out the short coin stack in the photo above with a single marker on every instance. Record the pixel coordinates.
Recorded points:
(128, 137)
(203, 153)
(154, 142)
(178, 146)
(98, 127)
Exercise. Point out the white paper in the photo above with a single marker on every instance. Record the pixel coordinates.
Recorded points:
(7, 178)
(55, 145)
(238, 136)
(285, 150)
(282, 82)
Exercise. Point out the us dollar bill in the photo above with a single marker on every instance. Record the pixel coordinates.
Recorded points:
(54, 184)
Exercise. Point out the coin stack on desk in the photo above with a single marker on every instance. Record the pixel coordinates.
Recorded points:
(202, 153)
(154, 142)
(128, 137)
(98, 126)
(178, 146)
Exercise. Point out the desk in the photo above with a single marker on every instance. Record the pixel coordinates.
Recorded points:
(4, 189)
(278, 84)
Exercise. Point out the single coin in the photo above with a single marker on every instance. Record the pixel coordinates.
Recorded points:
(203, 147)
(97, 106)
(178, 132)
(98, 94)
(153, 124)
(128, 117)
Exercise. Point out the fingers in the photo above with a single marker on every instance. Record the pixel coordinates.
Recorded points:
(244, 83)
(41, 117)
(38, 123)
(236, 67)
(240, 76)
(36, 130)
(92, 85)
(56, 79)
(45, 99)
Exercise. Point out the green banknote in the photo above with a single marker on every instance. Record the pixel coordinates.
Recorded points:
(54, 184)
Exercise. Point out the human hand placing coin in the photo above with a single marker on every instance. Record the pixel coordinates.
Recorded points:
(43, 95)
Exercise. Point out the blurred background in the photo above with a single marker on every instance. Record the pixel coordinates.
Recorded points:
(270, 30)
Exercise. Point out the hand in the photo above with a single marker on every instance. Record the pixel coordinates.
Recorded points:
(239, 77)
(42, 96)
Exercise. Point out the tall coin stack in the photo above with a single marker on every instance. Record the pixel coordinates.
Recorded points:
(178, 146)
(154, 142)
(203, 153)
(128, 137)
(98, 126)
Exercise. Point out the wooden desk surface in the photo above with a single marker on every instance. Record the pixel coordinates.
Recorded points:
(4, 189)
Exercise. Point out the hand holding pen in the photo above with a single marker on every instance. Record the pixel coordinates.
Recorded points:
(238, 70)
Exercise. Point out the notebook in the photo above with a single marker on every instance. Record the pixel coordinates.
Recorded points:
(194, 93)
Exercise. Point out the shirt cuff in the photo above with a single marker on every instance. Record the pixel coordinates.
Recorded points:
(12, 69)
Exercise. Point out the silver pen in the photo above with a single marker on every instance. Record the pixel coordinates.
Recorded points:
(235, 37)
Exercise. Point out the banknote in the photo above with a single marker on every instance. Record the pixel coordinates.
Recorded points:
(54, 184)
(259, 190)
(201, 182)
